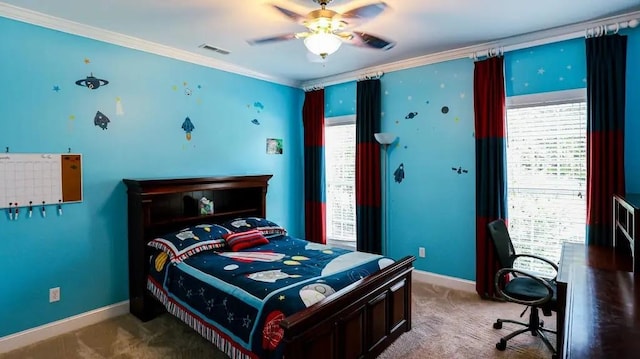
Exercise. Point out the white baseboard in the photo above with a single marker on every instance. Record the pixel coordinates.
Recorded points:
(443, 280)
(30, 336)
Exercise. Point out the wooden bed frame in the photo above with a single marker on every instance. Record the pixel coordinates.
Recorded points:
(359, 321)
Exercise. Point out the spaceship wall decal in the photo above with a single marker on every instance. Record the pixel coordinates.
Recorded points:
(398, 174)
(101, 120)
(91, 82)
(188, 127)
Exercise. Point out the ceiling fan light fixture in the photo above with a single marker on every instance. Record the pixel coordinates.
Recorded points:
(322, 44)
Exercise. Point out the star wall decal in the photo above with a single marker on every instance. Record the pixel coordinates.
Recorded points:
(87, 61)
(56, 88)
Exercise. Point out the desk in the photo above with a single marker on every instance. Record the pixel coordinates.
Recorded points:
(599, 304)
(626, 224)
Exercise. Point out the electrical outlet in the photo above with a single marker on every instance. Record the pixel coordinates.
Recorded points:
(421, 252)
(54, 294)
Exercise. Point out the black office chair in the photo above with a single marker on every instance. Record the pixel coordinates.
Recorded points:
(522, 287)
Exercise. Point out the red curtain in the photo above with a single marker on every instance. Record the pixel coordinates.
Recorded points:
(314, 176)
(491, 187)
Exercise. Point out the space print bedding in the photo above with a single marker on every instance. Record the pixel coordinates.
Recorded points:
(237, 298)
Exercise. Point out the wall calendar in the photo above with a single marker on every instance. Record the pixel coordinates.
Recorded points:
(38, 179)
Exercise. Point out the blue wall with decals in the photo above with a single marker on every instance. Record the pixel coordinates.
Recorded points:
(434, 205)
(147, 100)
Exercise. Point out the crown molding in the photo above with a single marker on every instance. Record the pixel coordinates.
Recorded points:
(507, 44)
(75, 28)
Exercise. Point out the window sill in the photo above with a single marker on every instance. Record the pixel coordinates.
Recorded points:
(349, 245)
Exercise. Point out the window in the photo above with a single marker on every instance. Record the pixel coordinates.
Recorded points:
(340, 163)
(546, 174)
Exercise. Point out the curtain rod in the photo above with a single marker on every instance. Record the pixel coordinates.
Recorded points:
(312, 88)
(590, 32)
(371, 76)
(603, 30)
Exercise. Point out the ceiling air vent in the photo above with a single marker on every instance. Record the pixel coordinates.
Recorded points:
(216, 49)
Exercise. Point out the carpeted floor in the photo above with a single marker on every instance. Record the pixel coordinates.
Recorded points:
(446, 324)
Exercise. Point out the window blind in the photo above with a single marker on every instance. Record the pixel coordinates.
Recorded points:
(340, 162)
(546, 179)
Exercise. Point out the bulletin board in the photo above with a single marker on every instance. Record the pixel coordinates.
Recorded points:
(39, 178)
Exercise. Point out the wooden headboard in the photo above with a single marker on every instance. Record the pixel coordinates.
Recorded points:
(164, 205)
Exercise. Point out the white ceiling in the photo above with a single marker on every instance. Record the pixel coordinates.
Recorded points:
(418, 27)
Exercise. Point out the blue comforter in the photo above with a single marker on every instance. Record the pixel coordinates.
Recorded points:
(237, 299)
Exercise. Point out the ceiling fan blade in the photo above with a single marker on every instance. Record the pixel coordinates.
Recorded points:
(366, 12)
(266, 40)
(290, 14)
(362, 39)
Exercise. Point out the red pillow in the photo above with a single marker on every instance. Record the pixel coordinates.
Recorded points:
(243, 240)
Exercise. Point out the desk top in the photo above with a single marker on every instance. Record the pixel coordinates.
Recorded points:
(603, 303)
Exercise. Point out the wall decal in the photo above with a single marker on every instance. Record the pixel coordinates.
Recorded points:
(427, 102)
(255, 121)
(411, 115)
(187, 91)
(398, 174)
(258, 105)
(56, 88)
(92, 82)
(445, 109)
(188, 127)
(101, 120)
(274, 146)
(87, 61)
(72, 117)
(459, 170)
(119, 110)
(174, 88)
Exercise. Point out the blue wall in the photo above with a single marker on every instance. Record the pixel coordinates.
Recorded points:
(340, 100)
(430, 109)
(434, 206)
(85, 251)
(632, 113)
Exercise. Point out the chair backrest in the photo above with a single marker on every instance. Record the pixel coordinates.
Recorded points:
(502, 242)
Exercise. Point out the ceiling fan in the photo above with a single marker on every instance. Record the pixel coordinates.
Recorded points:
(328, 29)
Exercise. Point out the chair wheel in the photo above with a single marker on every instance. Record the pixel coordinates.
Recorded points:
(501, 345)
(497, 325)
(542, 323)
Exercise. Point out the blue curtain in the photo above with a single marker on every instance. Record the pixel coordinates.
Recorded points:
(368, 190)
(606, 75)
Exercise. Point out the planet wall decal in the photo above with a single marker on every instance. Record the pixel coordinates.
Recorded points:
(91, 82)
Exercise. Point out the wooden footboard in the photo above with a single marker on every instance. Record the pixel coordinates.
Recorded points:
(359, 321)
